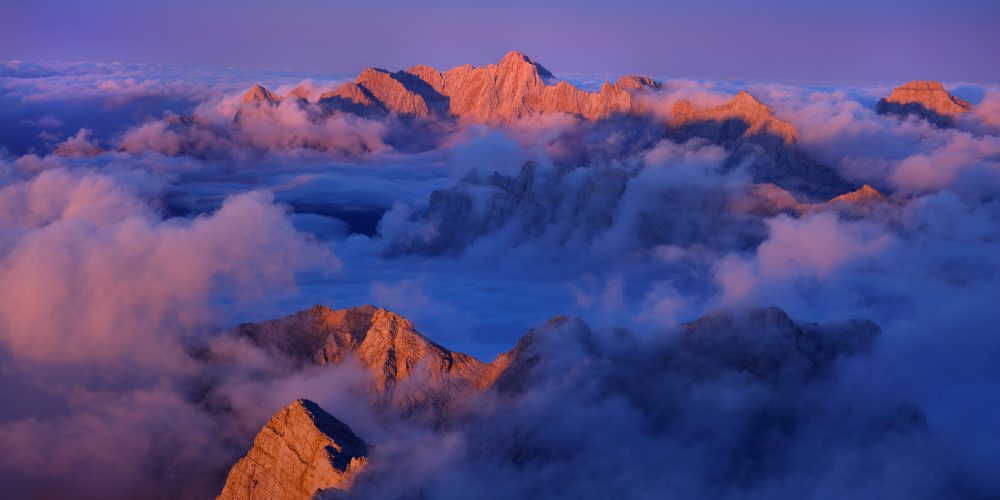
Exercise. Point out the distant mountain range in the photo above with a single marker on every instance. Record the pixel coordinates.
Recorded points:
(518, 87)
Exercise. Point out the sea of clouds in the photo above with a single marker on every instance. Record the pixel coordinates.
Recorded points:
(139, 222)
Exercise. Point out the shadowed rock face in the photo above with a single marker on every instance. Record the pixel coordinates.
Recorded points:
(302, 451)
(926, 99)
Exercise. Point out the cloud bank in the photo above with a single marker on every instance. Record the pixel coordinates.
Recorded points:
(135, 235)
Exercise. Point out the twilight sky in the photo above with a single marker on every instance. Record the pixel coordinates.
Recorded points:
(845, 40)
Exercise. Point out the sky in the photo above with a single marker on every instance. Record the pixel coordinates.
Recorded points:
(811, 40)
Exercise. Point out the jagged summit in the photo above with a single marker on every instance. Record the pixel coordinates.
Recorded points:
(927, 99)
(300, 452)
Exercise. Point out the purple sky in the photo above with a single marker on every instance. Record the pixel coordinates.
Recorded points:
(867, 40)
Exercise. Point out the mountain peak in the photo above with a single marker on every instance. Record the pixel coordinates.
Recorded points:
(301, 451)
(259, 94)
(744, 98)
(516, 58)
(866, 194)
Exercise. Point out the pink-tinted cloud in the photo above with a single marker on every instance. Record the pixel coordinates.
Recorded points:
(284, 127)
(95, 275)
(811, 248)
(79, 145)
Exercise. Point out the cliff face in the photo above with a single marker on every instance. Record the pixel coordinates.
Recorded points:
(927, 99)
(303, 450)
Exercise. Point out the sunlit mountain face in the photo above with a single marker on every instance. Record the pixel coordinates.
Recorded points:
(478, 274)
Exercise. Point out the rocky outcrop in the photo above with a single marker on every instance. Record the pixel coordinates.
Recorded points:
(927, 99)
(300, 452)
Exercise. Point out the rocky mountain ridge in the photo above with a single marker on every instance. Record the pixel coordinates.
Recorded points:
(515, 87)
(303, 451)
